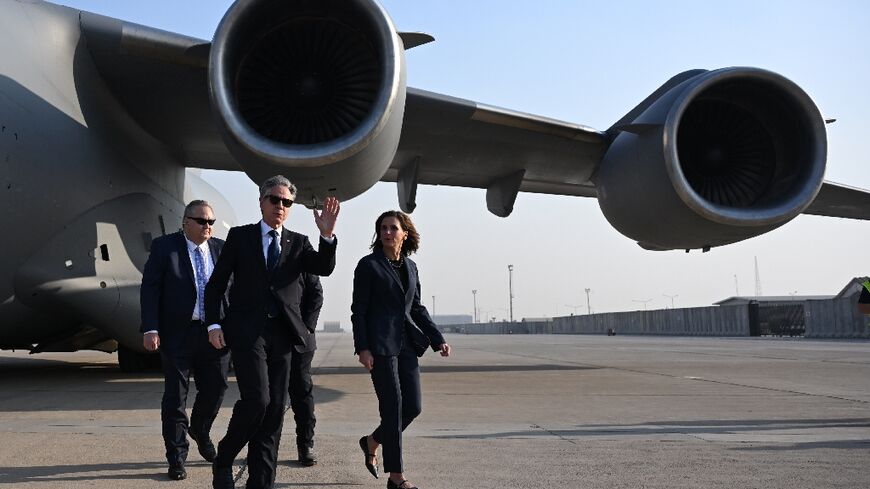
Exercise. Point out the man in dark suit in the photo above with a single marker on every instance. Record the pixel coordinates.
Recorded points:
(263, 323)
(172, 300)
(301, 386)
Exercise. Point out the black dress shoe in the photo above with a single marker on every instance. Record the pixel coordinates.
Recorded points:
(364, 445)
(307, 457)
(222, 477)
(401, 485)
(204, 446)
(177, 472)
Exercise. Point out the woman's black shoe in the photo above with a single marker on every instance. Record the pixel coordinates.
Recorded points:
(364, 445)
(401, 485)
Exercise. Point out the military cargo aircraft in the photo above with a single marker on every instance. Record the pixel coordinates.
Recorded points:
(118, 113)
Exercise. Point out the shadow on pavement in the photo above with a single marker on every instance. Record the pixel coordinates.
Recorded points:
(150, 471)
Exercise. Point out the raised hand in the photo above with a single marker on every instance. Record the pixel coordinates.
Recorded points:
(325, 219)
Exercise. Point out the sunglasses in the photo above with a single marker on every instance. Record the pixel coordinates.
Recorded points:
(274, 199)
(201, 221)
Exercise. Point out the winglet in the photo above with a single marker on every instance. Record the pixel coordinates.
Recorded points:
(414, 39)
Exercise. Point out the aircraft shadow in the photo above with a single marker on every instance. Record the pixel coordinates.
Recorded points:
(34, 385)
(700, 428)
(358, 370)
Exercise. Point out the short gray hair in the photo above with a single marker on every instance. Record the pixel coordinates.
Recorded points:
(277, 181)
(194, 204)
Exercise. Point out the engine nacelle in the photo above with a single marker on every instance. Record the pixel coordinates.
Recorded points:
(719, 157)
(312, 90)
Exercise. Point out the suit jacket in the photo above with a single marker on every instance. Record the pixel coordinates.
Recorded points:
(382, 310)
(168, 292)
(242, 260)
(309, 306)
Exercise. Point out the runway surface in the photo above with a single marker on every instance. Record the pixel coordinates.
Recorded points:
(504, 411)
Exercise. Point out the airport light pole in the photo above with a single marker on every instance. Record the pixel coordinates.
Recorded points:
(671, 297)
(511, 290)
(588, 304)
(474, 295)
(643, 301)
(433, 306)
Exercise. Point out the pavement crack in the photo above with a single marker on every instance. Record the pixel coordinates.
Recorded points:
(553, 433)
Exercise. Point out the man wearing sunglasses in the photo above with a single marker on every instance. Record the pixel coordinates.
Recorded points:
(172, 303)
(264, 323)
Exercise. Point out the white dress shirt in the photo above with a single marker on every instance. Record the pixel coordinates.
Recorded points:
(209, 267)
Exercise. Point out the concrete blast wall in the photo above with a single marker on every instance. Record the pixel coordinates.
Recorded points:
(835, 318)
(698, 321)
(832, 318)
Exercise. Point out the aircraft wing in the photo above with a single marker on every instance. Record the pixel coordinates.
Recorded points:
(838, 200)
(161, 80)
(451, 141)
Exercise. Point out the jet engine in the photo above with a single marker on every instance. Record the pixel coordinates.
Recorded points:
(313, 90)
(712, 158)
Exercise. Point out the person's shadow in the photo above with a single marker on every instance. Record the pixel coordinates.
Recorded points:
(143, 471)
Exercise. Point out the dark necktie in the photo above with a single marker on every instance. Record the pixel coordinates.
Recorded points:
(274, 252)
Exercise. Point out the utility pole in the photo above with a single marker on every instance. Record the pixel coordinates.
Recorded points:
(588, 304)
(511, 290)
(757, 280)
(736, 289)
(474, 295)
(671, 297)
(433, 305)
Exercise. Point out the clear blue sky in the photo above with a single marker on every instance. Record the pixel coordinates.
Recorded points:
(591, 62)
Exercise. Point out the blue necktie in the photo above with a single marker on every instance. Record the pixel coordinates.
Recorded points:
(201, 279)
(274, 252)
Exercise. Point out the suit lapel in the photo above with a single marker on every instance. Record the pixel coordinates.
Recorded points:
(184, 259)
(213, 251)
(257, 235)
(412, 282)
(285, 246)
(388, 269)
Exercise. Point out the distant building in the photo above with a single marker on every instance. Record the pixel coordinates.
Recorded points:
(788, 315)
(771, 300)
(852, 288)
(332, 327)
(537, 320)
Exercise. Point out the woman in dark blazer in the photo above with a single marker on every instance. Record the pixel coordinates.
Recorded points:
(391, 328)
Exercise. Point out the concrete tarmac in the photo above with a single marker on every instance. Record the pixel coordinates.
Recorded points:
(502, 412)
